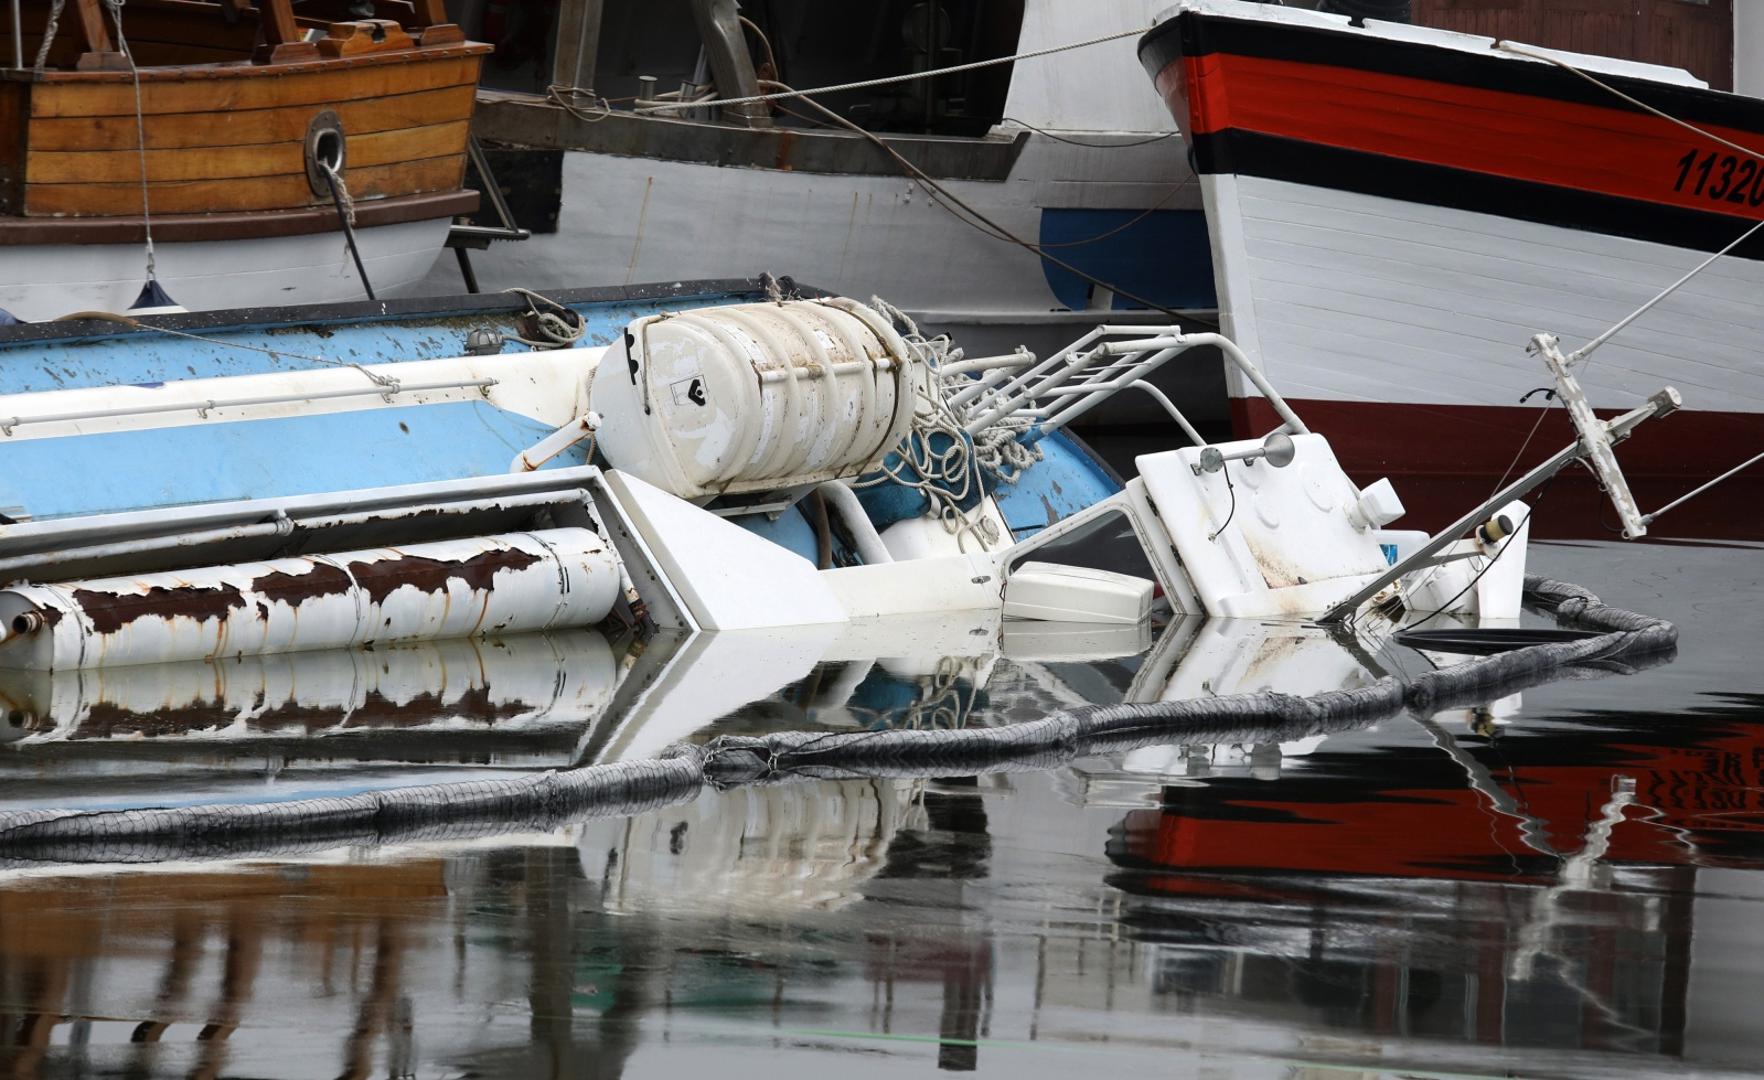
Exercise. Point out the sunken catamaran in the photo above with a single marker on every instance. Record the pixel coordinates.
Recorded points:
(227, 151)
(1394, 211)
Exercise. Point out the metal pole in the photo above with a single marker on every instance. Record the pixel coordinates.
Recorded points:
(1175, 414)
(17, 37)
(1244, 364)
(1618, 429)
(207, 405)
(1675, 503)
(1450, 534)
(1016, 385)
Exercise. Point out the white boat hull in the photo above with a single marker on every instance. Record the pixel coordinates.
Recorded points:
(1395, 212)
(1355, 298)
(38, 283)
(633, 219)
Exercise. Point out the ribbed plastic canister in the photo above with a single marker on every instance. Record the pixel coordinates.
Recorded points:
(754, 397)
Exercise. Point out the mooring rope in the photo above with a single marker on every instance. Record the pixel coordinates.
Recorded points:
(122, 45)
(679, 773)
(49, 29)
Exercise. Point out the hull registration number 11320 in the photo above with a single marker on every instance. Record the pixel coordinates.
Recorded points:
(1721, 177)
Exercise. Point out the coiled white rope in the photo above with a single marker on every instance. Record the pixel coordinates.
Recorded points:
(552, 322)
(949, 477)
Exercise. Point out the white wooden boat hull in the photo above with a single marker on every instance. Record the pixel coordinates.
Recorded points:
(1395, 212)
(44, 282)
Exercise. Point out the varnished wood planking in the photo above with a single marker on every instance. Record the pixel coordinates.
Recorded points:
(247, 193)
(248, 224)
(203, 163)
(170, 131)
(225, 89)
(286, 158)
(409, 144)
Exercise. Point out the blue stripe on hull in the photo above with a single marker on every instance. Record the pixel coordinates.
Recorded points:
(211, 462)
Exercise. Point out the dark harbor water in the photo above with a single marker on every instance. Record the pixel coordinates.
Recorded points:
(1560, 883)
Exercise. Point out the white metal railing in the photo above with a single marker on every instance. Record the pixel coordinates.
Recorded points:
(1107, 360)
(203, 406)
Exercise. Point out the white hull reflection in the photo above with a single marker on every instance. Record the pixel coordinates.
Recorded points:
(303, 724)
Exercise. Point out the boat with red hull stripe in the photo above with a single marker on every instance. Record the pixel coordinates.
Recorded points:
(1396, 211)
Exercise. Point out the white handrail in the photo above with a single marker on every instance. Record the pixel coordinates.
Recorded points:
(206, 405)
(1071, 382)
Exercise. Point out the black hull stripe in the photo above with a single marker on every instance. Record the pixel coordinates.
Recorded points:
(1200, 35)
(1274, 158)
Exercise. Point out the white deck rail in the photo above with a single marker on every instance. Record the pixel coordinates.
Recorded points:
(1109, 359)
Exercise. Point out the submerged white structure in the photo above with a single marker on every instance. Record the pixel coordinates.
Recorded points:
(719, 422)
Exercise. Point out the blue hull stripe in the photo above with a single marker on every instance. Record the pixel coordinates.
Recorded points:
(151, 359)
(211, 462)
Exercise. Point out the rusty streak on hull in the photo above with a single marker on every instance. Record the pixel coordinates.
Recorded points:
(109, 611)
(380, 579)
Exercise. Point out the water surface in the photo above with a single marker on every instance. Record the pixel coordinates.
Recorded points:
(1557, 884)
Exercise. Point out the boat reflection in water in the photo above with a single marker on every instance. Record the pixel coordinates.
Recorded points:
(1512, 888)
(222, 729)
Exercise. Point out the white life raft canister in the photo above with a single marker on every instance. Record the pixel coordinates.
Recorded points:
(755, 397)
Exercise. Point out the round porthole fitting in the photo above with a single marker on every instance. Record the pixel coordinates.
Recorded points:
(327, 149)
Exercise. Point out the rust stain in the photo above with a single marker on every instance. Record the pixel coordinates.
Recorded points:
(110, 612)
(105, 720)
(377, 710)
(384, 577)
(476, 704)
(295, 589)
(292, 714)
(786, 141)
(1277, 571)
